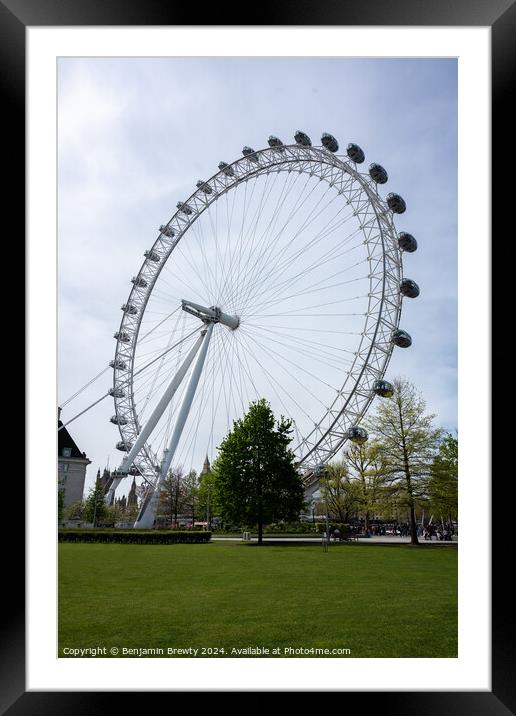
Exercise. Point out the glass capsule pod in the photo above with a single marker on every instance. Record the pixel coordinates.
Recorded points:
(167, 231)
(120, 364)
(139, 281)
(329, 142)
(116, 392)
(184, 208)
(228, 171)
(355, 153)
(130, 309)
(378, 174)
(302, 139)
(152, 256)
(250, 154)
(276, 143)
(396, 203)
(122, 336)
(118, 420)
(357, 435)
(383, 388)
(206, 188)
(401, 339)
(407, 242)
(409, 288)
(123, 447)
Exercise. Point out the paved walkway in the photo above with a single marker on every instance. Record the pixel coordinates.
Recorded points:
(386, 539)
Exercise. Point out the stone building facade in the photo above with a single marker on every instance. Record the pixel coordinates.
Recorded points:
(71, 466)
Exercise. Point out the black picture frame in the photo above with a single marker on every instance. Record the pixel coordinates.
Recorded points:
(500, 16)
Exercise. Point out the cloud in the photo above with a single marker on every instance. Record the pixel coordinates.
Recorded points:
(136, 134)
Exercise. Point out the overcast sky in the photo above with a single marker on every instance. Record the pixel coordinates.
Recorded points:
(134, 135)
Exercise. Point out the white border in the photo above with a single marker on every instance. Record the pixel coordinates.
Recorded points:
(471, 671)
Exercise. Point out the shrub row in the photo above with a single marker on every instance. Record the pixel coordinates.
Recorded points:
(132, 536)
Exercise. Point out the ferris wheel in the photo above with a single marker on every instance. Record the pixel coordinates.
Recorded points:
(279, 277)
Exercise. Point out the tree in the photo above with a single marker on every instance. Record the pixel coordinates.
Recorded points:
(171, 497)
(74, 510)
(444, 479)
(60, 504)
(338, 494)
(369, 467)
(256, 480)
(207, 498)
(95, 509)
(191, 494)
(408, 442)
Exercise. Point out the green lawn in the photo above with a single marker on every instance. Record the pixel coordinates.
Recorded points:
(376, 601)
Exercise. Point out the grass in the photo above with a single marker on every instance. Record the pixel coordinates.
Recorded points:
(376, 601)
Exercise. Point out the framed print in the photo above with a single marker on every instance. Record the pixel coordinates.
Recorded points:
(127, 107)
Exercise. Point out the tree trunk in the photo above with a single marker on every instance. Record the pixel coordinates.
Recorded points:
(260, 532)
(413, 527)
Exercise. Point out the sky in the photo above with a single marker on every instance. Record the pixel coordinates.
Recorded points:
(134, 136)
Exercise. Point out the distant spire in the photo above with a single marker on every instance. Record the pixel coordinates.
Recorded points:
(206, 468)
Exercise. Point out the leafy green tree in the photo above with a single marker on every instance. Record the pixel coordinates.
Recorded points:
(408, 442)
(95, 509)
(74, 511)
(444, 479)
(207, 506)
(60, 504)
(369, 467)
(191, 494)
(339, 495)
(256, 480)
(172, 496)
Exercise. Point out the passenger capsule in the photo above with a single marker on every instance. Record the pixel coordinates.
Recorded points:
(302, 139)
(122, 336)
(378, 173)
(407, 242)
(119, 364)
(123, 446)
(130, 309)
(409, 288)
(133, 471)
(139, 281)
(355, 153)
(396, 203)
(184, 208)
(206, 188)
(228, 171)
(401, 339)
(329, 142)
(357, 435)
(167, 230)
(116, 392)
(250, 154)
(118, 420)
(383, 388)
(152, 256)
(275, 142)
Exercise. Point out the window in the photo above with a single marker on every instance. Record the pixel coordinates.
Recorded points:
(67, 452)
(63, 467)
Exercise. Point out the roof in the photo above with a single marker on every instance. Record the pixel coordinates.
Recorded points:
(65, 440)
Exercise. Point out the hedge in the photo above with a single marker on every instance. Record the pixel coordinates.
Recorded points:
(132, 536)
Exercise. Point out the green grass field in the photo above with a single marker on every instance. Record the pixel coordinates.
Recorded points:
(376, 601)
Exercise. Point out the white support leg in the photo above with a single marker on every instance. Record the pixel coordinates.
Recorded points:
(153, 420)
(148, 510)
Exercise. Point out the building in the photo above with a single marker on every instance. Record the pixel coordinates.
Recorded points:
(71, 466)
(206, 468)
